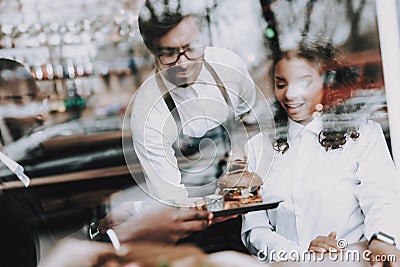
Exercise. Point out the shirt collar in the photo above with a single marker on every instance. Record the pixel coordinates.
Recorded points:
(295, 128)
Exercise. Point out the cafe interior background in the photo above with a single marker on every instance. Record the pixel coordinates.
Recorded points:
(89, 57)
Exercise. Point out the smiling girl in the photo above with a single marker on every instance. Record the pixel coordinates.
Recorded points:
(334, 172)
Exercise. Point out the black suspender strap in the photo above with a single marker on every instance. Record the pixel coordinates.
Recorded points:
(219, 83)
(171, 104)
(168, 100)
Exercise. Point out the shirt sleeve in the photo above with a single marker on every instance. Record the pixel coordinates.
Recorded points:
(258, 234)
(156, 155)
(379, 189)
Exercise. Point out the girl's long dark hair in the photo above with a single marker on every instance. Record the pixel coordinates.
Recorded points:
(340, 82)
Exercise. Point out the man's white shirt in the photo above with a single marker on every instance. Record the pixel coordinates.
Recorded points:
(201, 107)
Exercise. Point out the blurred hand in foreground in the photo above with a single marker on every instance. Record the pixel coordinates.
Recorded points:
(157, 223)
(81, 253)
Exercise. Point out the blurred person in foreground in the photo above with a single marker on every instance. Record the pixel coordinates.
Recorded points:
(146, 238)
(80, 253)
(21, 212)
(21, 102)
(331, 164)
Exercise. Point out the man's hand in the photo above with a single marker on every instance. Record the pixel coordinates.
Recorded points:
(160, 223)
(322, 244)
(116, 216)
(224, 218)
(384, 254)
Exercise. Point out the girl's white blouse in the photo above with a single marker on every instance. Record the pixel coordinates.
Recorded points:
(353, 191)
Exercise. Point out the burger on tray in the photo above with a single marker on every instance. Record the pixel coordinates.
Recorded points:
(239, 186)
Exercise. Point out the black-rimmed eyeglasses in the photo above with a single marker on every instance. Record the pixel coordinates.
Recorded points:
(172, 57)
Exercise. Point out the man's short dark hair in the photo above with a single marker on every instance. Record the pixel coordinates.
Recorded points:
(155, 23)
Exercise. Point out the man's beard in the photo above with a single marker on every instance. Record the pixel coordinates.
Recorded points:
(172, 75)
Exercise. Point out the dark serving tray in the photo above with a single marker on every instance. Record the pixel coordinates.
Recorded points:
(246, 208)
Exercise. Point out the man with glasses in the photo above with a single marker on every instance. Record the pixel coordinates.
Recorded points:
(192, 92)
